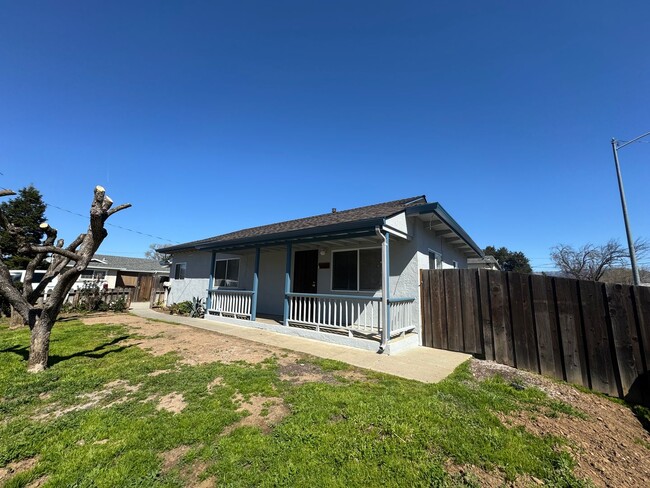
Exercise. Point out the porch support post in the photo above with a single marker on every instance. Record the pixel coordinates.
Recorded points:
(386, 295)
(208, 301)
(287, 285)
(255, 283)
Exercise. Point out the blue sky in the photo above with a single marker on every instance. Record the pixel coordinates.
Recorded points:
(214, 116)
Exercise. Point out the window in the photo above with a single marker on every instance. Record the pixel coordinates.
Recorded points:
(226, 272)
(356, 270)
(93, 274)
(435, 260)
(179, 271)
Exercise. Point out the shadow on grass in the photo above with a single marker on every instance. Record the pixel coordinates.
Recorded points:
(96, 353)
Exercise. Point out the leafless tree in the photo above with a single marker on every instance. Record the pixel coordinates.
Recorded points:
(41, 316)
(590, 262)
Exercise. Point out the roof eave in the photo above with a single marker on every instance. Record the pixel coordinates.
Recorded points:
(323, 232)
(437, 209)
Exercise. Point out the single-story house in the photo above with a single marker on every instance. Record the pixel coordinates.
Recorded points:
(352, 274)
(125, 272)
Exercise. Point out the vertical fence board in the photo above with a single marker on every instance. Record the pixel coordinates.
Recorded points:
(425, 305)
(550, 361)
(438, 311)
(570, 331)
(470, 312)
(503, 352)
(602, 375)
(622, 339)
(642, 302)
(522, 322)
(485, 314)
(454, 320)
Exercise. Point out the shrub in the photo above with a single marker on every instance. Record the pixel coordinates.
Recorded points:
(181, 308)
(118, 305)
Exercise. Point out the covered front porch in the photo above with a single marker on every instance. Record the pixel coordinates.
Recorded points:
(336, 285)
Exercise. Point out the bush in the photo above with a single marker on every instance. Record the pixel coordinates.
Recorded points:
(181, 308)
(118, 305)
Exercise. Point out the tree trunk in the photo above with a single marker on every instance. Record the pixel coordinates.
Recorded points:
(39, 349)
(16, 319)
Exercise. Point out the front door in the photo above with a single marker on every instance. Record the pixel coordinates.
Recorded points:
(305, 271)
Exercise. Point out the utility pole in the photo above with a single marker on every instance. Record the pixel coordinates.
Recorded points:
(630, 242)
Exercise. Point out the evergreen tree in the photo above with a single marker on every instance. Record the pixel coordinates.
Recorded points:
(26, 210)
(509, 260)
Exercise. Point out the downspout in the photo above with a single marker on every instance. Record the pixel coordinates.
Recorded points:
(384, 291)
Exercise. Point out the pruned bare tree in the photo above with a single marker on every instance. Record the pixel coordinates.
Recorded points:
(41, 316)
(590, 262)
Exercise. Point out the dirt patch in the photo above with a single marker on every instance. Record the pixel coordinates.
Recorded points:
(299, 372)
(195, 346)
(90, 400)
(609, 445)
(173, 402)
(264, 412)
(470, 475)
(38, 482)
(170, 458)
(218, 381)
(16, 467)
(190, 474)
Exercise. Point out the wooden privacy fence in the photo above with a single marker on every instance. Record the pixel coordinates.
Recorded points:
(585, 332)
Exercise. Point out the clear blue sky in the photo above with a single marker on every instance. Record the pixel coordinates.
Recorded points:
(214, 116)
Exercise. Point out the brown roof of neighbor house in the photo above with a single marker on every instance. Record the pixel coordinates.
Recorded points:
(344, 219)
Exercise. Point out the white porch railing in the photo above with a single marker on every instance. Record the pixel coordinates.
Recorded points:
(349, 312)
(235, 303)
(402, 315)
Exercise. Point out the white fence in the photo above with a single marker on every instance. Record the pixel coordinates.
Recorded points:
(402, 315)
(234, 303)
(352, 313)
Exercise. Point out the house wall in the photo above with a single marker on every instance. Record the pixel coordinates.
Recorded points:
(197, 276)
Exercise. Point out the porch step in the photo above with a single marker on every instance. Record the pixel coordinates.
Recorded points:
(403, 343)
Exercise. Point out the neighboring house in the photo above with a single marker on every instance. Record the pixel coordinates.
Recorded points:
(125, 272)
(114, 272)
(486, 262)
(347, 272)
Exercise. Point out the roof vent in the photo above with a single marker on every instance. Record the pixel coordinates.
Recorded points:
(333, 210)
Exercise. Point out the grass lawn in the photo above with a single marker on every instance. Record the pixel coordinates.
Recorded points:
(99, 417)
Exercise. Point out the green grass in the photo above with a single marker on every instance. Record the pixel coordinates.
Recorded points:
(385, 431)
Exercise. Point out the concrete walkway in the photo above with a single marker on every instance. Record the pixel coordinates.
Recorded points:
(419, 363)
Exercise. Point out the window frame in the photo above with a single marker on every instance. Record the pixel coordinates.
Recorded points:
(358, 289)
(184, 267)
(214, 273)
(437, 258)
(95, 275)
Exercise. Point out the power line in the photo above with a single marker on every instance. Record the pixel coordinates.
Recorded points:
(112, 225)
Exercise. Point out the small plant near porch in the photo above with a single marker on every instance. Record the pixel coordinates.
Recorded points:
(41, 315)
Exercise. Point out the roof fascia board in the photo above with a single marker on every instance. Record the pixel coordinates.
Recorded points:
(441, 213)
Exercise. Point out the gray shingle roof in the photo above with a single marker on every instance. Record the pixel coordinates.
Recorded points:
(142, 265)
(328, 220)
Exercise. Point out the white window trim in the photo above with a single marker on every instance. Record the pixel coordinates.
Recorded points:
(214, 274)
(357, 249)
(184, 264)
